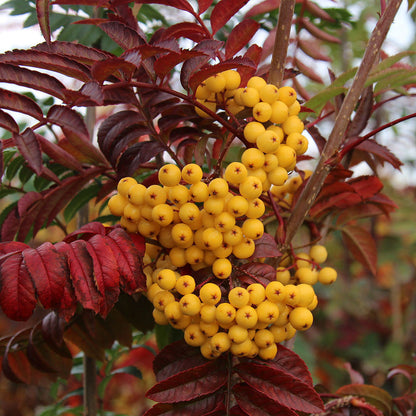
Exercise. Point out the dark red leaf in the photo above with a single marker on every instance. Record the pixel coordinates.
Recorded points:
(50, 61)
(205, 72)
(32, 79)
(266, 246)
(48, 269)
(209, 47)
(175, 358)
(10, 224)
(359, 211)
(7, 122)
(128, 250)
(82, 274)
(121, 94)
(281, 387)
(366, 186)
(223, 12)
(312, 48)
(188, 30)
(211, 405)
(255, 403)
(263, 7)
(253, 54)
(75, 51)
(240, 36)
(316, 31)
(308, 71)
(166, 63)
(52, 331)
(28, 208)
(17, 293)
(190, 384)
(29, 148)
(203, 5)
(135, 155)
(123, 35)
(86, 232)
(76, 131)
(103, 70)
(255, 272)
(106, 273)
(11, 247)
(361, 244)
(58, 154)
(177, 4)
(380, 152)
(20, 103)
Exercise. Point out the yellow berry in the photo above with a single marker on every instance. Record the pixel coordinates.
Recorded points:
(267, 312)
(182, 234)
(249, 97)
(235, 173)
(233, 236)
(245, 249)
(193, 335)
(224, 222)
(257, 293)
(286, 156)
(218, 188)
(189, 213)
(222, 252)
(253, 228)
(222, 268)
(194, 255)
(149, 229)
(220, 342)
(214, 206)
(225, 313)
(301, 318)
(238, 297)
(306, 275)
(192, 173)
(166, 279)
(252, 158)
(283, 275)
(237, 206)
(136, 193)
(131, 212)
(116, 204)
(306, 294)
(246, 317)
(275, 291)
(327, 275)
(162, 214)
(256, 208)
(268, 353)
(185, 284)
(252, 130)
(177, 256)
(279, 333)
(124, 185)
(251, 187)
(278, 176)
(159, 317)
(216, 83)
(155, 195)
(237, 334)
(262, 112)
(303, 260)
(190, 304)
(287, 95)
(202, 92)
(293, 124)
(207, 313)
(298, 142)
(264, 338)
(169, 175)
(294, 109)
(173, 311)
(232, 79)
(210, 294)
(280, 112)
(211, 238)
(292, 295)
(162, 298)
(269, 93)
(268, 142)
(318, 253)
(152, 291)
(256, 82)
(199, 192)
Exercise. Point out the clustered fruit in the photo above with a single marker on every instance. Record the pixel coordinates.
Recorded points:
(199, 222)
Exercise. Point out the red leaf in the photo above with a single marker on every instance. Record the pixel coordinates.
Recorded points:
(106, 273)
(29, 148)
(313, 49)
(380, 152)
(11, 247)
(223, 12)
(166, 63)
(209, 47)
(253, 54)
(32, 79)
(281, 387)
(128, 251)
(175, 358)
(50, 61)
(190, 384)
(358, 211)
(58, 154)
(266, 246)
(308, 71)
(211, 405)
(82, 274)
(87, 231)
(103, 70)
(366, 186)
(240, 36)
(362, 245)
(135, 155)
(17, 293)
(263, 7)
(75, 131)
(48, 269)
(20, 103)
(255, 403)
(203, 6)
(255, 272)
(76, 51)
(177, 4)
(188, 30)
(7, 122)
(123, 35)
(317, 32)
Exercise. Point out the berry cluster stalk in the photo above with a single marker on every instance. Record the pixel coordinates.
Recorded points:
(337, 135)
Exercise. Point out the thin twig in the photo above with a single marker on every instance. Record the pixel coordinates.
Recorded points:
(281, 43)
(337, 135)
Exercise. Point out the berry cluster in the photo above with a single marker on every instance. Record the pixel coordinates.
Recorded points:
(194, 222)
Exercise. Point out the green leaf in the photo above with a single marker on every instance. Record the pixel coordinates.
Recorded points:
(318, 102)
(390, 61)
(129, 369)
(13, 167)
(25, 174)
(82, 198)
(165, 335)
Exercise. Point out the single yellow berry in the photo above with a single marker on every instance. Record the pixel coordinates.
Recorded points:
(210, 294)
(327, 275)
(169, 175)
(192, 173)
(238, 297)
(116, 204)
(301, 318)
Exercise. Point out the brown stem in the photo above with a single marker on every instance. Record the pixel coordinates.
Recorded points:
(281, 43)
(90, 387)
(337, 135)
